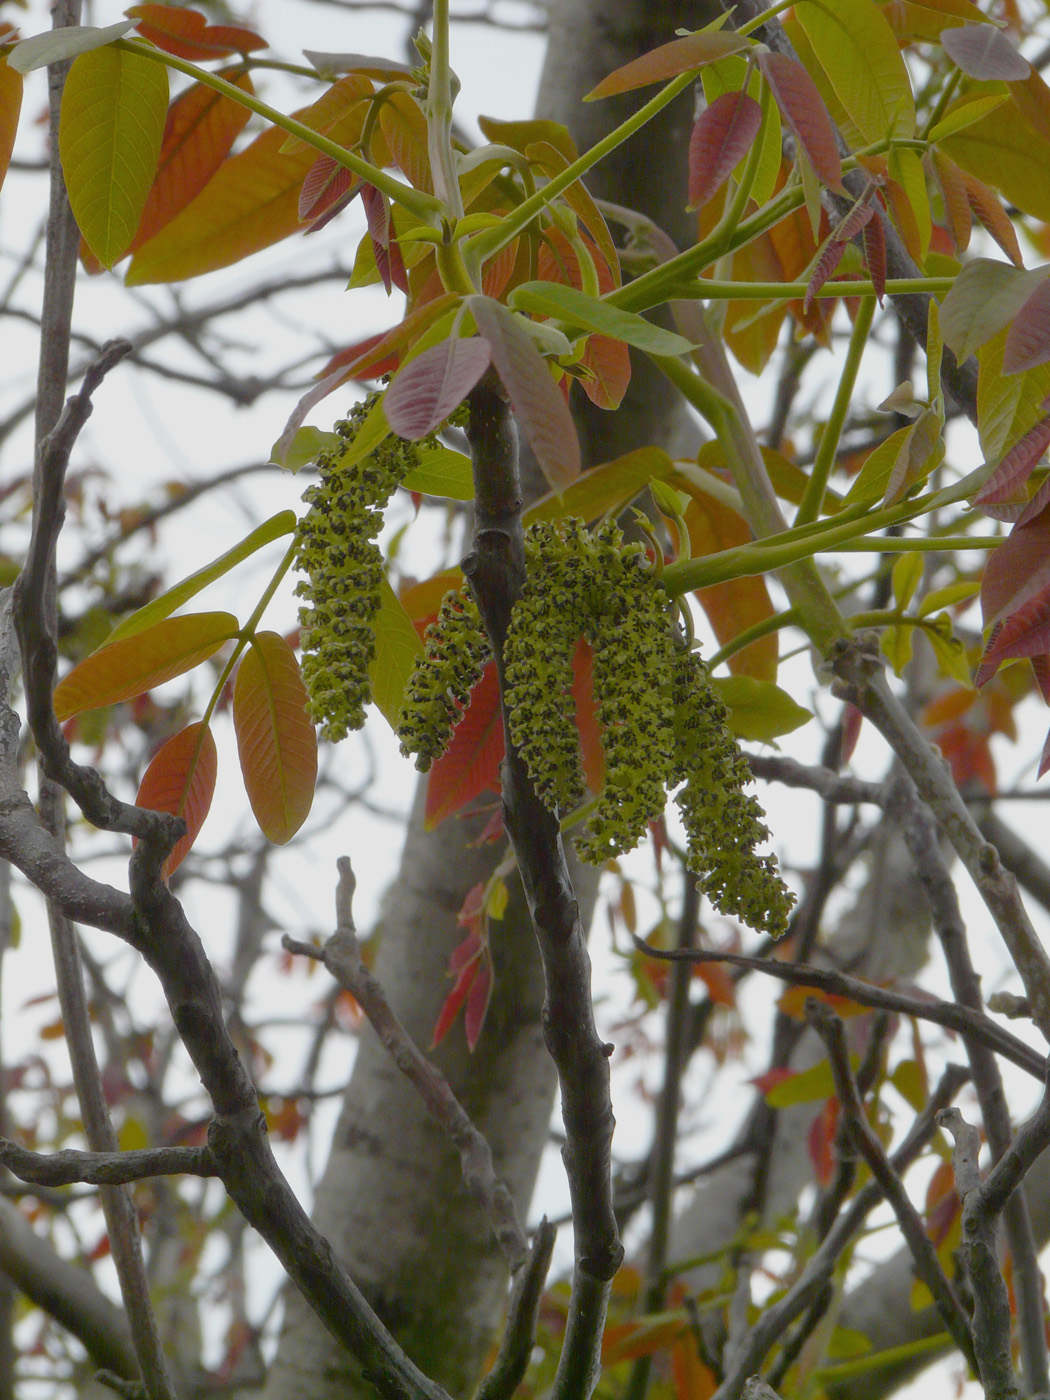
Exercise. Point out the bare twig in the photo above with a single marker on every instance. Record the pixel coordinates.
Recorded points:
(519, 1334)
(342, 957)
(815, 1276)
(830, 1029)
(991, 1303)
(104, 1168)
(942, 1013)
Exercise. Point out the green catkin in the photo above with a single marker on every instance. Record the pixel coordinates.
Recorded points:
(344, 572)
(455, 652)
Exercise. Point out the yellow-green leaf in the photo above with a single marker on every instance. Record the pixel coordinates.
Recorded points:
(10, 106)
(397, 646)
(1005, 150)
(759, 710)
(859, 53)
(276, 742)
(113, 112)
(136, 664)
(1008, 405)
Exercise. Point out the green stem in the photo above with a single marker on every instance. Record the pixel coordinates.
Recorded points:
(484, 245)
(417, 202)
(813, 496)
(439, 117)
(715, 290)
(754, 634)
(916, 544)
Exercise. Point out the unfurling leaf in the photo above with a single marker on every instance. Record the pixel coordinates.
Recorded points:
(722, 136)
(181, 779)
(802, 107)
(984, 52)
(539, 408)
(135, 664)
(434, 384)
(112, 126)
(276, 741)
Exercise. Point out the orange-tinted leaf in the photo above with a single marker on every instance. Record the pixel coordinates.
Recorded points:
(821, 1142)
(802, 107)
(422, 600)
(181, 779)
(732, 607)
(793, 1003)
(692, 1379)
(10, 106)
(404, 129)
(722, 136)
(470, 765)
(434, 384)
(957, 217)
(984, 52)
(667, 61)
(993, 218)
(251, 202)
(134, 664)
(609, 363)
(552, 161)
(202, 126)
(629, 1340)
(542, 413)
(276, 741)
(187, 34)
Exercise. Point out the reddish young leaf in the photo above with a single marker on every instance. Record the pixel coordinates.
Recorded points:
(187, 34)
(609, 364)
(430, 387)
(830, 257)
(875, 255)
(542, 413)
(470, 765)
(478, 1001)
(1041, 671)
(984, 52)
(201, 128)
(1006, 483)
(134, 664)
(327, 189)
(276, 742)
(451, 1006)
(181, 779)
(722, 136)
(821, 1142)
(404, 129)
(1018, 570)
(1044, 757)
(1026, 632)
(1028, 339)
(802, 107)
(667, 61)
(388, 257)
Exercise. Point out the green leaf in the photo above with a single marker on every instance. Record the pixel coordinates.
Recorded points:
(808, 1086)
(283, 523)
(304, 447)
(949, 651)
(442, 472)
(276, 742)
(759, 710)
(965, 114)
(1008, 405)
(906, 577)
(123, 669)
(397, 646)
(113, 112)
(949, 596)
(987, 295)
(896, 645)
(591, 314)
(65, 43)
(606, 488)
(858, 51)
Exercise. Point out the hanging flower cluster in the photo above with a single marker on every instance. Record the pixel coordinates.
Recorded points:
(662, 723)
(454, 655)
(344, 571)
